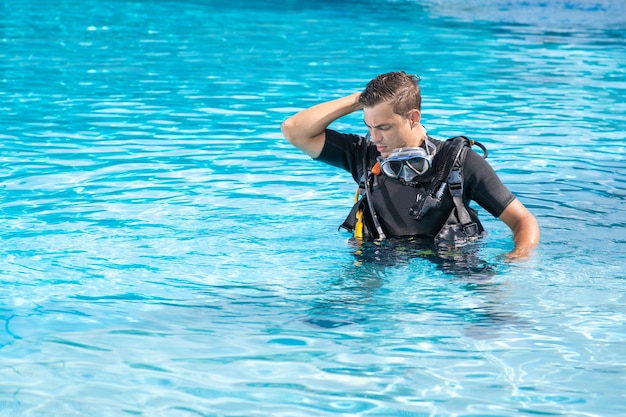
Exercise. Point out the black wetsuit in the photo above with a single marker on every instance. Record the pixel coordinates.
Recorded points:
(393, 201)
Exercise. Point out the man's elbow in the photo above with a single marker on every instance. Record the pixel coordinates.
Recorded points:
(301, 137)
(289, 130)
(526, 231)
(523, 224)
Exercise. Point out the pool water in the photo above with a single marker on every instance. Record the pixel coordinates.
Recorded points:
(165, 252)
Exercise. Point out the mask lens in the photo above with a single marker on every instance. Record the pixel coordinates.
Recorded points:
(406, 173)
(419, 165)
(394, 168)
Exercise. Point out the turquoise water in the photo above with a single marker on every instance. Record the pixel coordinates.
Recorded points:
(165, 252)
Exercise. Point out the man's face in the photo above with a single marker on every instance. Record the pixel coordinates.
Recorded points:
(389, 130)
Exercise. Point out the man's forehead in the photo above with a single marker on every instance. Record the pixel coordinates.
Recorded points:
(380, 114)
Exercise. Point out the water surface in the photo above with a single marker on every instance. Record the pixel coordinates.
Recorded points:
(165, 252)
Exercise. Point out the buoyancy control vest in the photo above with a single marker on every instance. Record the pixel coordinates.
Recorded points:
(461, 224)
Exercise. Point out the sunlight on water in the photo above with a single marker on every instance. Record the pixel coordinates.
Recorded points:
(165, 252)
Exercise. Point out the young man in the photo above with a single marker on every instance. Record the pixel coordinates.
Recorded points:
(411, 185)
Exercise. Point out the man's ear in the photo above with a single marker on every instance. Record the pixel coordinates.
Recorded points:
(414, 116)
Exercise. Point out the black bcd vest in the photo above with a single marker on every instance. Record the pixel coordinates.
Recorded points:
(462, 224)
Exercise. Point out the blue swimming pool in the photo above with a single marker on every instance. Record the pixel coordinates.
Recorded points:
(165, 252)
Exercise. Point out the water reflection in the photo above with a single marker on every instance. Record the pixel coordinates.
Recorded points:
(397, 283)
(459, 262)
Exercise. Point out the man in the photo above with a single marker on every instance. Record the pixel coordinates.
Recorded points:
(411, 184)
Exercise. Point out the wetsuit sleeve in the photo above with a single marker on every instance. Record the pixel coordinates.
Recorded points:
(341, 150)
(482, 184)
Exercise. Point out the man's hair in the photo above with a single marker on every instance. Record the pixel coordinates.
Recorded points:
(398, 88)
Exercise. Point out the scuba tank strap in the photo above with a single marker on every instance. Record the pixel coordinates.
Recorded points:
(369, 179)
(450, 156)
(455, 186)
(450, 175)
(355, 222)
(462, 225)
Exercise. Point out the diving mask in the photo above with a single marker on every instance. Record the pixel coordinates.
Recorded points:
(405, 164)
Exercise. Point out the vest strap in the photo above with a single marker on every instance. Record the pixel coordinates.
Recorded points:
(455, 185)
(353, 218)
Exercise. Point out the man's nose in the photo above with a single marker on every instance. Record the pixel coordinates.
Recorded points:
(375, 136)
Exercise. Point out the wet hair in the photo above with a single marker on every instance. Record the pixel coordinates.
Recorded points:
(398, 88)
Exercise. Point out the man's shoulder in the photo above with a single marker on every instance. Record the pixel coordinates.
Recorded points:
(343, 150)
(447, 149)
(347, 143)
